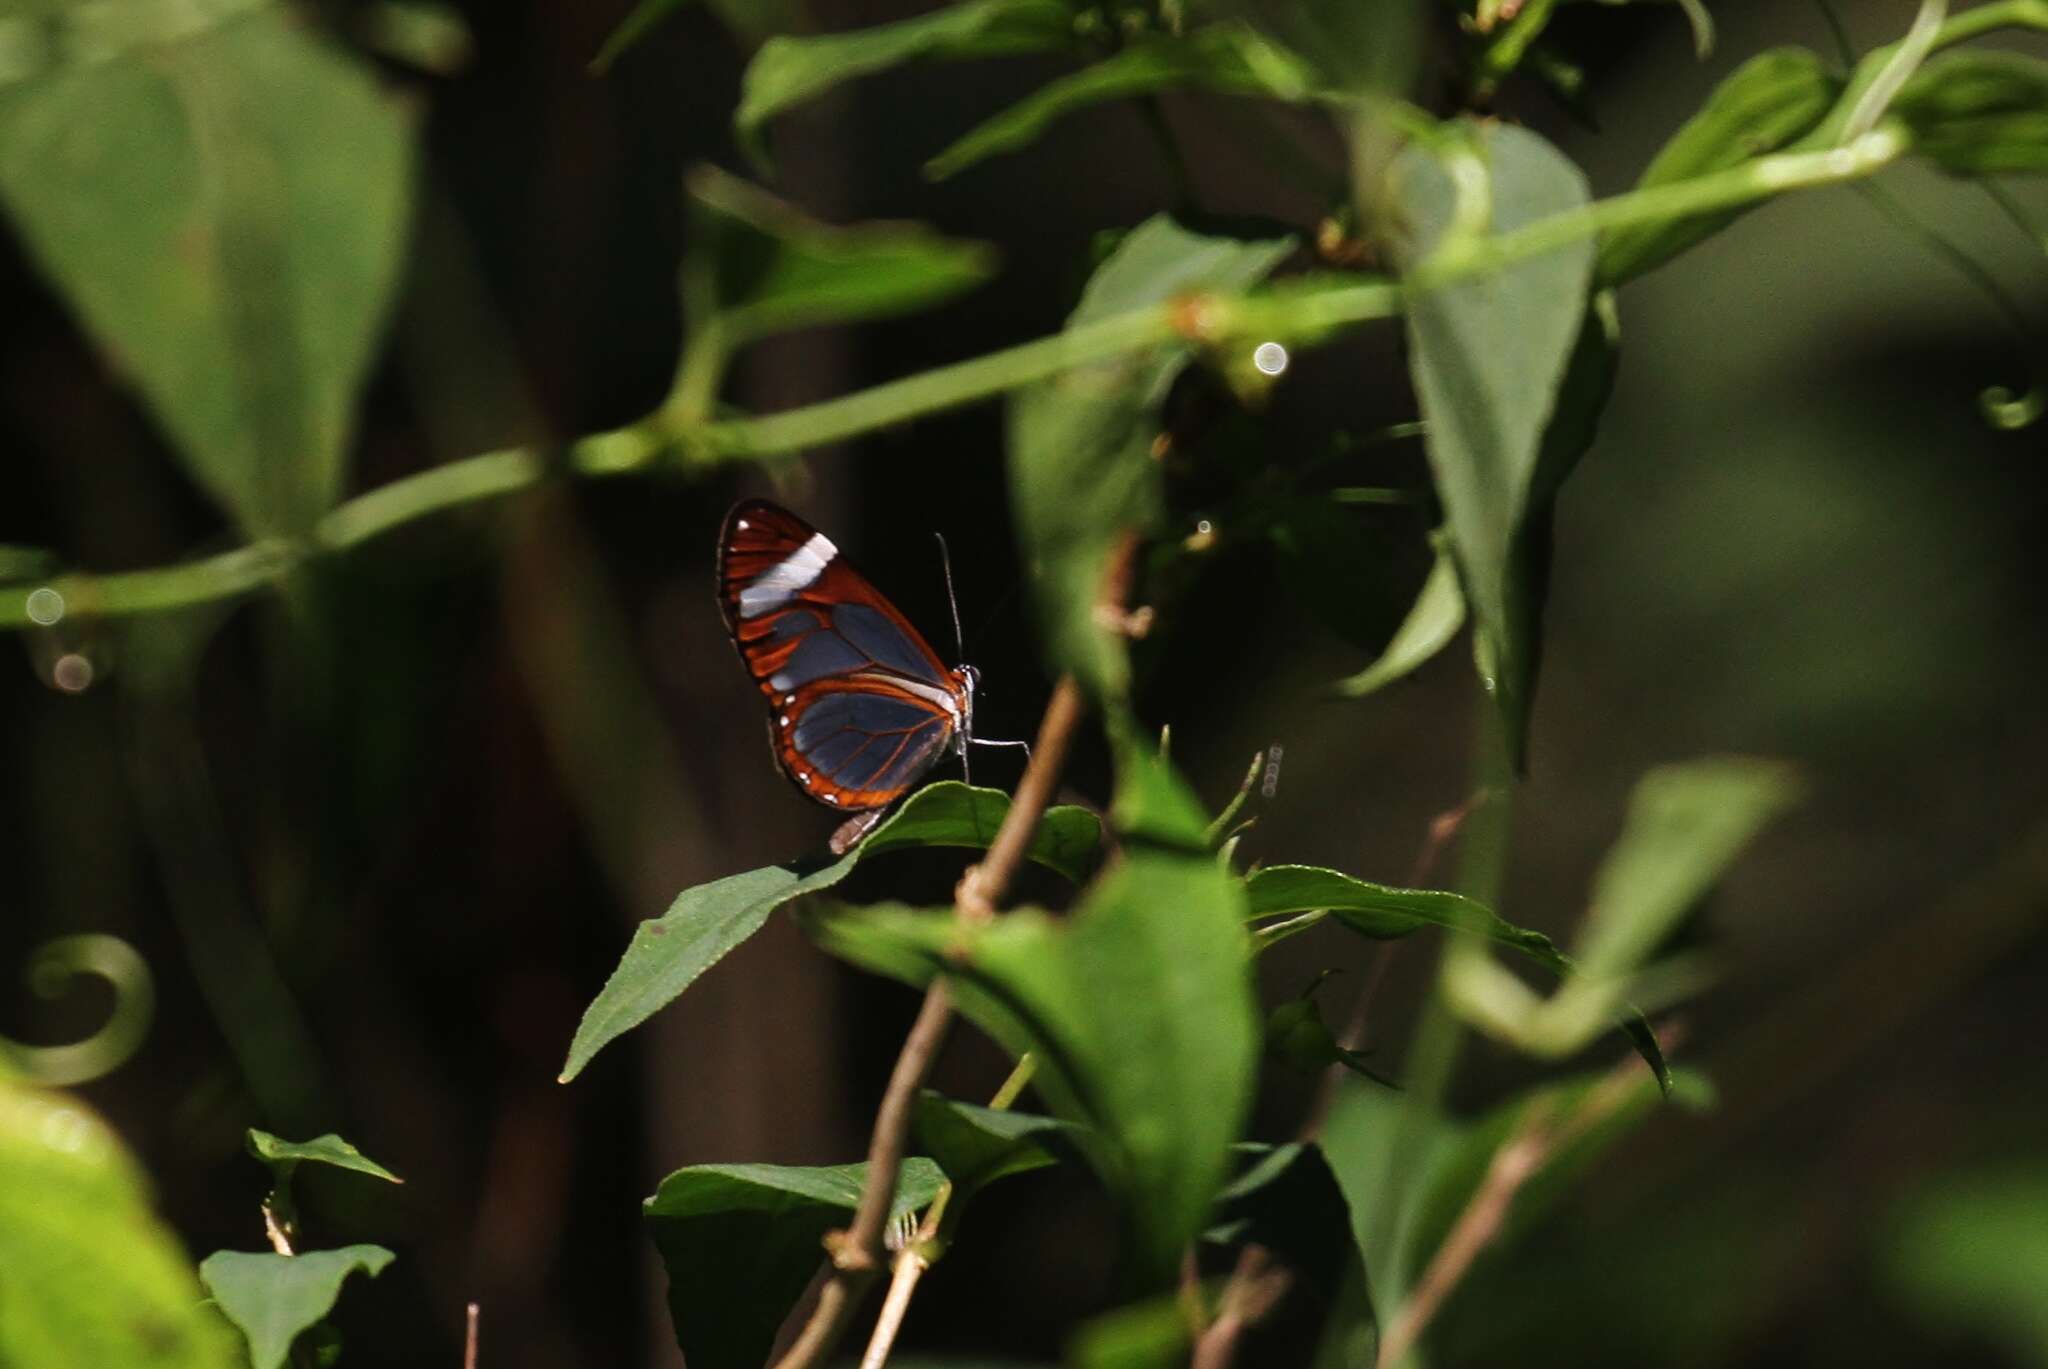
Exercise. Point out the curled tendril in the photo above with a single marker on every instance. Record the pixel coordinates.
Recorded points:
(2010, 412)
(50, 973)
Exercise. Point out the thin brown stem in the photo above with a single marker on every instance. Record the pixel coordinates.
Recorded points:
(1443, 829)
(924, 1248)
(856, 1253)
(1255, 1286)
(1520, 1157)
(469, 1339)
(1537, 1137)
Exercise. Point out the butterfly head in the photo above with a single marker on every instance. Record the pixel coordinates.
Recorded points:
(966, 679)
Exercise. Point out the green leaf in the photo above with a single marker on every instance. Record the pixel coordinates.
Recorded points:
(1383, 913)
(1574, 420)
(1763, 106)
(1979, 113)
(1152, 802)
(773, 269)
(669, 952)
(1969, 1254)
(1139, 1009)
(1431, 624)
(1488, 355)
(1383, 1147)
(1081, 469)
(283, 1156)
(1686, 824)
(975, 1146)
(740, 1242)
(227, 214)
(1149, 1335)
(91, 1276)
(273, 1298)
(1225, 57)
(789, 71)
(1287, 1199)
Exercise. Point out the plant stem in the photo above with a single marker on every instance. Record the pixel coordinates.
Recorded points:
(934, 1233)
(664, 442)
(1433, 1055)
(856, 1253)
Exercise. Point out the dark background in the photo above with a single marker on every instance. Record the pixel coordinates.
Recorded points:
(397, 835)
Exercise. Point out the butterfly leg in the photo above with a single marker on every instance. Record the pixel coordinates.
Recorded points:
(985, 741)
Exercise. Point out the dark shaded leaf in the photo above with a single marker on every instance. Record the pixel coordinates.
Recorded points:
(78, 1238)
(790, 70)
(1763, 106)
(669, 952)
(273, 1298)
(1979, 113)
(1488, 355)
(1081, 468)
(1287, 1199)
(1331, 565)
(1431, 625)
(225, 207)
(975, 1145)
(740, 1242)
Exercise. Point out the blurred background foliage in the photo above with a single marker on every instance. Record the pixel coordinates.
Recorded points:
(380, 837)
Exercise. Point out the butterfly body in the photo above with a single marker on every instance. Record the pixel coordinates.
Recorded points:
(860, 706)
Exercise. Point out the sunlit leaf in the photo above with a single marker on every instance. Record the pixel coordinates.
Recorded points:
(273, 1298)
(1223, 57)
(80, 1241)
(790, 70)
(1488, 355)
(1081, 468)
(1764, 105)
(282, 1156)
(771, 268)
(740, 1242)
(1431, 625)
(1139, 1009)
(226, 213)
(1383, 913)
(704, 923)
(1979, 113)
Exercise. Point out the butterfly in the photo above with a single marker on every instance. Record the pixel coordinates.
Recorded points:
(859, 705)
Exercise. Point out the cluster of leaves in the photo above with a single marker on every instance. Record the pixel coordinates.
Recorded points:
(220, 193)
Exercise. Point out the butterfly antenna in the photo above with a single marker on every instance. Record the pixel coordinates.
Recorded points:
(952, 602)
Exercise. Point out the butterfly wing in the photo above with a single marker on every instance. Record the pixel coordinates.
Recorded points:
(860, 706)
